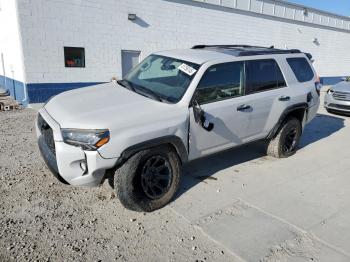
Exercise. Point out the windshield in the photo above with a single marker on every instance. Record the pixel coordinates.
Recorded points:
(162, 77)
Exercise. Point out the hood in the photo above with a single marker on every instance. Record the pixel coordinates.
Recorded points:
(342, 87)
(104, 106)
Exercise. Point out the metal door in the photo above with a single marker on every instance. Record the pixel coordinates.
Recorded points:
(129, 60)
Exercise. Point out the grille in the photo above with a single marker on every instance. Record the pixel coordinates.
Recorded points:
(47, 133)
(339, 106)
(341, 96)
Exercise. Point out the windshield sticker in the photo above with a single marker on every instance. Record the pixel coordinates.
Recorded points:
(187, 69)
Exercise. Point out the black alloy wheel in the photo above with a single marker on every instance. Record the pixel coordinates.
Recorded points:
(290, 141)
(156, 177)
(149, 179)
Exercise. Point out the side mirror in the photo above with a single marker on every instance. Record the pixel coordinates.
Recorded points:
(198, 113)
(199, 117)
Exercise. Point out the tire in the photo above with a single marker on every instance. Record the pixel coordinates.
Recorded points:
(134, 181)
(281, 146)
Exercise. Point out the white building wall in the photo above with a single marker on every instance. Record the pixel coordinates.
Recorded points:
(10, 42)
(102, 28)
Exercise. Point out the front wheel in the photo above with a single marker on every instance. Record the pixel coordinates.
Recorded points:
(287, 140)
(149, 179)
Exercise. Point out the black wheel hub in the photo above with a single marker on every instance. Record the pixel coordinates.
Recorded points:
(290, 141)
(156, 177)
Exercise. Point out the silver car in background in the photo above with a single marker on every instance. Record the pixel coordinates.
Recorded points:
(337, 99)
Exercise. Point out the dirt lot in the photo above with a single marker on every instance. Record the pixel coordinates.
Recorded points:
(41, 219)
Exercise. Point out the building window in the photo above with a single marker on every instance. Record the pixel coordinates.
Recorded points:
(74, 56)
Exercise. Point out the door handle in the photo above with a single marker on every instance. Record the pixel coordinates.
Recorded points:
(284, 98)
(243, 107)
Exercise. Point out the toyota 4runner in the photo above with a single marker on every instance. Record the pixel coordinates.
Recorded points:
(174, 107)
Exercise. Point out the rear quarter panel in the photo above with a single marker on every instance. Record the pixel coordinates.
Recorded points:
(298, 91)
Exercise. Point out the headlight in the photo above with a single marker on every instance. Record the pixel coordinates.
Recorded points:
(330, 91)
(86, 139)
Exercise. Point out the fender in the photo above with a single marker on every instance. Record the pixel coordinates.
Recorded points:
(283, 116)
(173, 140)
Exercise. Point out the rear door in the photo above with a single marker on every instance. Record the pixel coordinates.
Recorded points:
(267, 95)
(221, 95)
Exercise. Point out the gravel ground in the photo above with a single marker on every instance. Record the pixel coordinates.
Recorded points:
(41, 219)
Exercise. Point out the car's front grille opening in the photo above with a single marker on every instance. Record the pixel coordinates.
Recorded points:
(47, 133)
(341, 96)
(337, 106)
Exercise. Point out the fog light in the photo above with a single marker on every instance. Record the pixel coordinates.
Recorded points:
(83, 166)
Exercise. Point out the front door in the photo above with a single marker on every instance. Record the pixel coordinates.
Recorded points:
(220, 94)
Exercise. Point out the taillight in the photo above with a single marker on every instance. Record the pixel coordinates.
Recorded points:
(318, 85)
(318, 79)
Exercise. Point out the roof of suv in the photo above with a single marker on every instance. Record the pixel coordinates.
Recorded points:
(200, 54)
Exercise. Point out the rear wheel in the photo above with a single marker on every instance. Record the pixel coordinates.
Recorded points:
(149, 179)
(286, 142)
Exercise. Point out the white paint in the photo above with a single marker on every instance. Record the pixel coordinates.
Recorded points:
(103, 29)
(10, 42)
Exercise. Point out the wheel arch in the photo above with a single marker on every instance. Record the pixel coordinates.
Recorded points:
(173, 141)
(299, 111)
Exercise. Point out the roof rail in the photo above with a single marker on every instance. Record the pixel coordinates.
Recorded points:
(226, 46)
(247, 50)
(266, 52)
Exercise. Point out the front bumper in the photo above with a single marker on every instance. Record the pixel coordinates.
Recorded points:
(50, 159)
(336, 105)
(70, 164)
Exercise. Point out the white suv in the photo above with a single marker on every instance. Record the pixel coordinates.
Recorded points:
(174, 107)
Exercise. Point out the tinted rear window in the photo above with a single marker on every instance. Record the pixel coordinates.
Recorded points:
(263, 75)
(301, 69)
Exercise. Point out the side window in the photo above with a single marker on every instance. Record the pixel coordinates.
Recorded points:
(301, 69)
(263, 75)
(221, 82)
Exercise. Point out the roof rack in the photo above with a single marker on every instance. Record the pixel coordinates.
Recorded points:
(225, 46)
(247, 50)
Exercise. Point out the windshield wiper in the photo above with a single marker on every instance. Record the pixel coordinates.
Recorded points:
(150, 93)
(141, 90)
(126, 84)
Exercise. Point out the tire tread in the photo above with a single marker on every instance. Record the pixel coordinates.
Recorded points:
(124, 175)
(274, 147)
